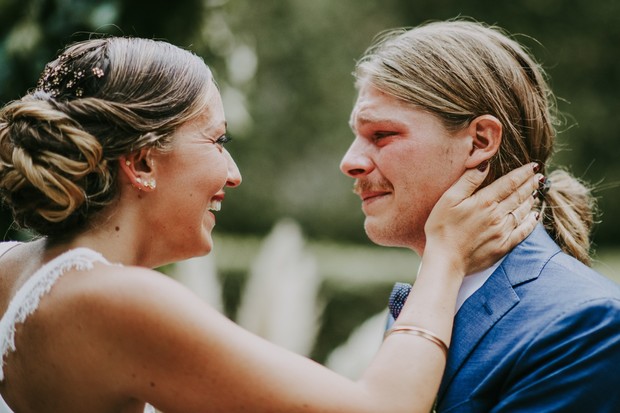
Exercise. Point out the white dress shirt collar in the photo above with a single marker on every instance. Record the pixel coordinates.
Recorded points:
(473, 282)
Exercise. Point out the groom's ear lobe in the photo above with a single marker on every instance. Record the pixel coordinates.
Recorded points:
(486, 134)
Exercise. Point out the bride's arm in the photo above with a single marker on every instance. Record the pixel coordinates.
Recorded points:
(185, 357)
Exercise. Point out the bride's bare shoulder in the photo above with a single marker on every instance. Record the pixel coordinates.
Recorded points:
(123, 287)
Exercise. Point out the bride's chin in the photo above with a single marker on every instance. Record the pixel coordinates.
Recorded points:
(207, 243)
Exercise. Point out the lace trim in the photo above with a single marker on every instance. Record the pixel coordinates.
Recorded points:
(40, 283)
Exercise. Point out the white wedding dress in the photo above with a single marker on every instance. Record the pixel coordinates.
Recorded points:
(27, 298)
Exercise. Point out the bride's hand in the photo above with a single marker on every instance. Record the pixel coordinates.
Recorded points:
(475, 229)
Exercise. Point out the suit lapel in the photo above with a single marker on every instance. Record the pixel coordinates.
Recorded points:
(495, 298)
(475, 318)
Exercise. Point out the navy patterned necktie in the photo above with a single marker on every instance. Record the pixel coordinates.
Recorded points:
(399, 295)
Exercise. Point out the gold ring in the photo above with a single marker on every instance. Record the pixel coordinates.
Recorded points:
(517, 223)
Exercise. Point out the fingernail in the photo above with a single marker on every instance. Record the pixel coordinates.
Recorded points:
(537, 216)
(536, 167)
(536, 194)
(541, 180)
(483, 166)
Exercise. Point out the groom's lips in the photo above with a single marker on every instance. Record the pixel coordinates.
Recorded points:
(370, 195)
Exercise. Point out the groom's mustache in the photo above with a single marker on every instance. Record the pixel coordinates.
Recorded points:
(366, 185)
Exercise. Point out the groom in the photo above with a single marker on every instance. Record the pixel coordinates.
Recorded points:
(539, 331)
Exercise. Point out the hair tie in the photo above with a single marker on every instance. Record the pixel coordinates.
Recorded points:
(545, 185)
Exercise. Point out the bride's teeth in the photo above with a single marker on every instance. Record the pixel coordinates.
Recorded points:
(215, 205)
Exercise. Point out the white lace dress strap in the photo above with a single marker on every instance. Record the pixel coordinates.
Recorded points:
(26, 301)
(29, 295)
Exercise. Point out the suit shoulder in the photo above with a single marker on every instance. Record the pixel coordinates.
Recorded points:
(575, 275)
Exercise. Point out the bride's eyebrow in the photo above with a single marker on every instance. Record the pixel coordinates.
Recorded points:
(214, 131)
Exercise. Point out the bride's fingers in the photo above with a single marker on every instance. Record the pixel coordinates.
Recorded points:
(509, 184)
(523, 229)
(486, 225)
(520, 221)
(464, 187)
(525, 194)
(521, 212)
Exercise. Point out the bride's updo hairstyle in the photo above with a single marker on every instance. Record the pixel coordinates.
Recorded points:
(100, 99)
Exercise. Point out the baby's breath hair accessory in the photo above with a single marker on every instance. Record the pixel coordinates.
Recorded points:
(75, 73)
(97, 72)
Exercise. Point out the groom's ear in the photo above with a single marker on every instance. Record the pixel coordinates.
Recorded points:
(486, 134)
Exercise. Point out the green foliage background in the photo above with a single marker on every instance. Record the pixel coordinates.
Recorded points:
(284, 70)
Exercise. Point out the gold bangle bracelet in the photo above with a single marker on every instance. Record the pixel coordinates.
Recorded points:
(420, 332)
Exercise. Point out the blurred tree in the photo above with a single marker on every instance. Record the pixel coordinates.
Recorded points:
(33, 31)
(177, 24)
(284, 71)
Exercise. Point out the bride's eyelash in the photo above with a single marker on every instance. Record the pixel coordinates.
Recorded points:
(224, 139)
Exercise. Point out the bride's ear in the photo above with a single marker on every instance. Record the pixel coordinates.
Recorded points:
(138, 169)
(486, 133)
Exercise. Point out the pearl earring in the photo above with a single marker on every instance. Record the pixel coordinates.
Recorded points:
(150, 184)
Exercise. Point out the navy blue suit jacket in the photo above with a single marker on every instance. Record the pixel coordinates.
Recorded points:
(541, 335)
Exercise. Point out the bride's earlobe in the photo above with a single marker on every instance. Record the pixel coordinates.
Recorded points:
(142, 180)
